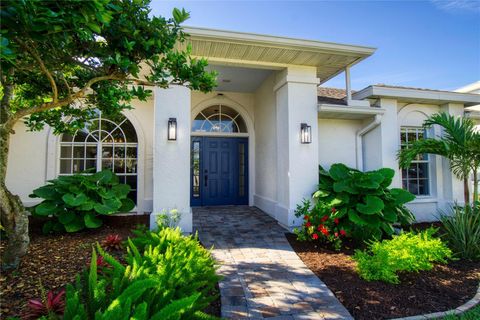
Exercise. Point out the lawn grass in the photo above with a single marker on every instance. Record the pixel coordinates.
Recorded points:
(472, 314)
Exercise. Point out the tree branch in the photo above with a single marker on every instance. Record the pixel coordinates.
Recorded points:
(65, 101)
(44, 69)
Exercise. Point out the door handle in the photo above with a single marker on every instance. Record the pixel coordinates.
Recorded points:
(206, 180)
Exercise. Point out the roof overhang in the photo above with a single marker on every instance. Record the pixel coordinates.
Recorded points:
(412, 95)
(272, 52)
(335, 111)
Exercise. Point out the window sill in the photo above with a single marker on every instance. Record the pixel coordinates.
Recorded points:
(425, 199)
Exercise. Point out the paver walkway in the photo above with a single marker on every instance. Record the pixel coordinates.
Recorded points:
(263, 276)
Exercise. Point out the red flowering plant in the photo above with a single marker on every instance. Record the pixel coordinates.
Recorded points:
(50, 305)
(321, 222)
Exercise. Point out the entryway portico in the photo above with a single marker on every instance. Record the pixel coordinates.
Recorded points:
(250, 152)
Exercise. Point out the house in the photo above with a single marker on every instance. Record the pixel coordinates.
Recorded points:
(258, 139)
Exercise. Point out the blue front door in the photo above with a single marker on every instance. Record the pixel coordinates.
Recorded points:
(219, 174)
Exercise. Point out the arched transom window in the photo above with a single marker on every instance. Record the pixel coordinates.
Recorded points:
(219, 118)
(102, 144)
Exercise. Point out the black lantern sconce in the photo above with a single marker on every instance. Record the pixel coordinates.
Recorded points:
(172, 129)
(305, 133)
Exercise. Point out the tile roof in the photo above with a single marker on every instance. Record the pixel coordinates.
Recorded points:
(331, 95)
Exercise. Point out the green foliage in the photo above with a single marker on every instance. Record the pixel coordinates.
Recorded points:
(361, 201)
(405, 252)
(74, 202)
(169, 277)
(104, 52)
(462, 231)
(459, 143)
(472, 314)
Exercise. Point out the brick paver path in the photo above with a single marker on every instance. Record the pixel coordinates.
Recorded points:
(263, 276)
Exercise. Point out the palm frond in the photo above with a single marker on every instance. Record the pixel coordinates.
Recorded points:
(457, 130)
(430, 146)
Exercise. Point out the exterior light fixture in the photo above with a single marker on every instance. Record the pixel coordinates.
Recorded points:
(172, 129)
(305, 133)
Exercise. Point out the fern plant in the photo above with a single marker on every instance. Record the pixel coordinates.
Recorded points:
(171, 277)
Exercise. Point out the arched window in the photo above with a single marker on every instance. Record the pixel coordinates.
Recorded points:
(219, 118)
(102, 144)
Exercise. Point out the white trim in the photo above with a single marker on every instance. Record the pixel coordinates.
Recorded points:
(417, 94)
(359, 142)
(349, 112)
(295, 79)
(53, 159)
(226, 101)
(197, 33)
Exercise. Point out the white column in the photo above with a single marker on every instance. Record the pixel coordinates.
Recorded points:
(452, 186)
(381, 144)
(297, 163)
(171, 159)
(348, 86)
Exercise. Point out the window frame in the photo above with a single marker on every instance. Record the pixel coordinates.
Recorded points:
(99, 144)
(427, 159)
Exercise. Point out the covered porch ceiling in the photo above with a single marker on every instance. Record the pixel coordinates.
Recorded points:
(274, 53)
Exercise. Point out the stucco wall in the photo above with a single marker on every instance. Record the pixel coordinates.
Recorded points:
(33, 157)
(26, 162)
(266, 147)
(337, 141)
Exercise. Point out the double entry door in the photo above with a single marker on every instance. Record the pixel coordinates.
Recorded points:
(219, 171)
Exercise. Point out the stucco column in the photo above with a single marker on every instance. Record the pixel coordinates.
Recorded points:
(297, 163)
(381, 144)
(452, 186)
(171, 159)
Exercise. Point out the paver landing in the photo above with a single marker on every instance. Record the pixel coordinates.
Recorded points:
(262, 276)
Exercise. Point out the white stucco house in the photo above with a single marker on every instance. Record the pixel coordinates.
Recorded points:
(258, 139)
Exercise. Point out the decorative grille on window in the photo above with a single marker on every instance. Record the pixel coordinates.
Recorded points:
(219, 118)
(416, 178)
(102, 144)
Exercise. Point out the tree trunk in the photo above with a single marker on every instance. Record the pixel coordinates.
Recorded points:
(466, 193)
(475, 186)
(13, 215)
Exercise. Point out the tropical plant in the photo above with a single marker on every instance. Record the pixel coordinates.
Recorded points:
(52, 305)
(459, 143)
(408, 251)
(74, 202)
(61, 61)
(172, 279)
(320, 224)
(112, 242)
(462, 231)
(361, 202)
(168, 219)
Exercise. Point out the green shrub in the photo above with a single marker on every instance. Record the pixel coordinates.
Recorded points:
(363, 203)
(172, 279)
(74, 202)
(406, 252)
(462, 231)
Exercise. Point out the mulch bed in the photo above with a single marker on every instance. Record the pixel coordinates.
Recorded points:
(56, 259)
(442, 288)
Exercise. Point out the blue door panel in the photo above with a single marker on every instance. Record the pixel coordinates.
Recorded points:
(220, 177)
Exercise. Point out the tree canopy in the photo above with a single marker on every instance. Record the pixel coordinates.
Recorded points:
(61, 61)
(67, 58)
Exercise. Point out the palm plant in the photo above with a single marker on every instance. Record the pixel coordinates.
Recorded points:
(459, 143)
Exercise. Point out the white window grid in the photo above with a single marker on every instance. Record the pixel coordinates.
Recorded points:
(408, 135)
(105, 139)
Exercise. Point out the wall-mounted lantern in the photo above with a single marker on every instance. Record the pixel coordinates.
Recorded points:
(305, 133)
(172, 129)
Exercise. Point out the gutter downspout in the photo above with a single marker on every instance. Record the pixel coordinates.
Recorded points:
(360, 133)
